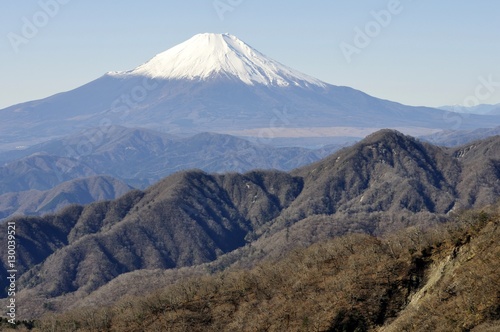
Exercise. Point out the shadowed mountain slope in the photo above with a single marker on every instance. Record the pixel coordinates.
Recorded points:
(411, 175)
(187, 219)
(440, 279)
(387, 181)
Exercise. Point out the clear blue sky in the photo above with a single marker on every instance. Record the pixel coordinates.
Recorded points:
(430, 53)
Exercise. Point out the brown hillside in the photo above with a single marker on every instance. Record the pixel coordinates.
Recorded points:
(386, 182)
(443, 279)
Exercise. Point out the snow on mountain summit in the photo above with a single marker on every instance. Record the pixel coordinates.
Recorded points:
(210, 55)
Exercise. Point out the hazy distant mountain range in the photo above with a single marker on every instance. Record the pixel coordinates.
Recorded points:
(385, 182)
(141, 156)
(484, 109)
(138, 157)
(78, 191)
(217, 83)
(458, 137)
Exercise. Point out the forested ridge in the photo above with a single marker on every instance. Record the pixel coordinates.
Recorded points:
(194, 225)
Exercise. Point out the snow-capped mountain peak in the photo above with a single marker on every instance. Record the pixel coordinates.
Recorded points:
(211, 55)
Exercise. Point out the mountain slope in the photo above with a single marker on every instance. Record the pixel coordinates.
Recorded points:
(453, 138)
(211, 55)
(387, 181)
(478, 109)
(235, 90)
(187, 219)
(441, 279)
(384, 162)
(80, 191)
(32, 177)
(40, 172)
(142, 157)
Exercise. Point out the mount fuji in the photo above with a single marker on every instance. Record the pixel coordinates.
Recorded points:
(218, 83)
(208, 56)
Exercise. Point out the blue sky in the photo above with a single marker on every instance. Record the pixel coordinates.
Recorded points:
(418, 52)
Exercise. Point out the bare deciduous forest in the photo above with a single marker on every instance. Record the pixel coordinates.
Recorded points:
(444, 278)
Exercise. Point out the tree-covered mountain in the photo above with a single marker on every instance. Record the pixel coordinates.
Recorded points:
(40, 172)
(386, 182)
(79, 191)
(141, 157)
(444, 278)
